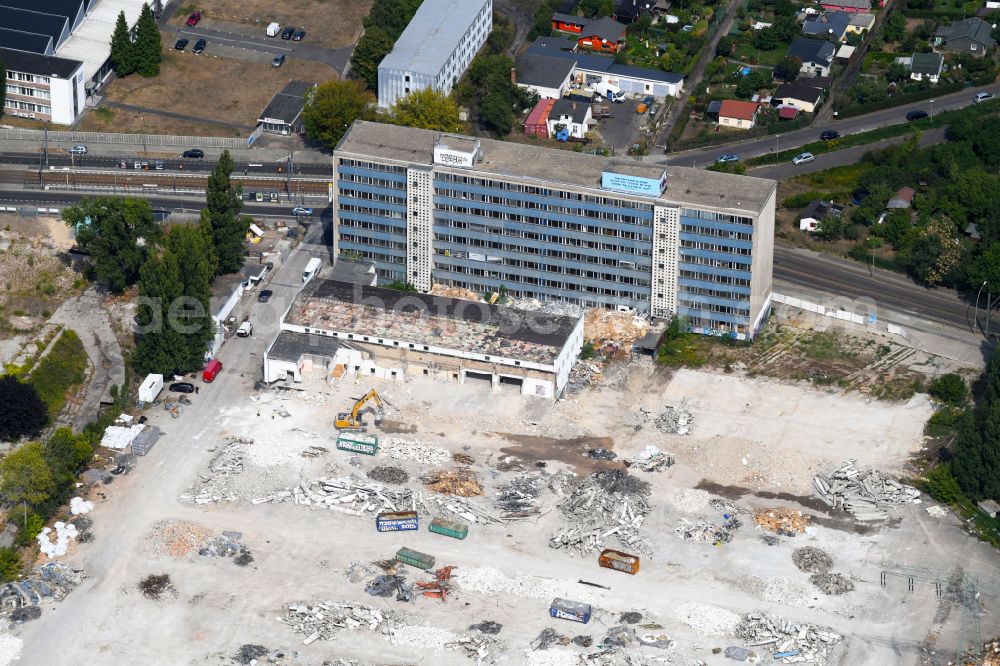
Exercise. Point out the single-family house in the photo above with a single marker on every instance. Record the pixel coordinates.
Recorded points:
(903, 198)
(971, 35)
(738, 114)
(816, 55)
(845, 53)
(628, 11)
(926, 66)
(568, 22)
(830, 25)
(544, 75)
(605, 35)
(799, 94)
(860, 23)
(846, 5)
(816, 212)
(574, 116)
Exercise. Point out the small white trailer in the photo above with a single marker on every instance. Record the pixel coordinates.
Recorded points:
(151, 387)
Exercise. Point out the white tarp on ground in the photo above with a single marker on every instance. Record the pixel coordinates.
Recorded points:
(119, 437)
(64, 533)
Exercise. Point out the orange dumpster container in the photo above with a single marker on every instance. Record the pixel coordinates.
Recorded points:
(619, 561)
(641, 108)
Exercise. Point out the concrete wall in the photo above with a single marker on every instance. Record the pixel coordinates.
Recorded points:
(762, 262)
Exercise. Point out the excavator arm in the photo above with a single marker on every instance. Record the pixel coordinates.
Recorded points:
(352, 420)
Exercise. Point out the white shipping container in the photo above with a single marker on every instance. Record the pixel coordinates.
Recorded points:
(151, 387)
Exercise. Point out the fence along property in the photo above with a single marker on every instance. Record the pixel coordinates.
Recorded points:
(131, 139)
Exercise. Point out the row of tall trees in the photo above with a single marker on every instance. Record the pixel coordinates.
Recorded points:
(144, 53)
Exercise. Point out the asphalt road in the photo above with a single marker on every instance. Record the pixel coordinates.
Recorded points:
(59, 158)
(888, 290)
(704, 157)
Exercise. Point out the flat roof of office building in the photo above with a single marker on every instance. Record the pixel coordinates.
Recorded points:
(291, 346)
(432, 35)
(429, 320)
(33, 63)
(717, 191)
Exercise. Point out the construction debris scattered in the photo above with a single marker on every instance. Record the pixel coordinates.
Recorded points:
(19, 599)
(248, 654)
(388, 474)
(832, 583)
(404, 449)
(705, 532)
(867, 495)
(157, 586)
(547, 638)
(675, 420)
(789, 642)
(607, 503)
(650, 459)
(782, 520)
(227, 545)
(520, 495)
(460, 481)
(613, 329)
(387, 585)
(812, 560)
(324, 620)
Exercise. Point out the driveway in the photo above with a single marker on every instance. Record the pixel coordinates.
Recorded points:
(336, 58)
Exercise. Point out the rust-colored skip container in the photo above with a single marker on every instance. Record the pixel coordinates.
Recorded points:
(619, 561)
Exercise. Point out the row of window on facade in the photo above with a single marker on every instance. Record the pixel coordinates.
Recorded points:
(27, 78)
(18, 105)
(28, 92)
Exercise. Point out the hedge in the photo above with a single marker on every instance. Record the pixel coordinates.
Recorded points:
(900, 100)
(59, 371)
(934, 14)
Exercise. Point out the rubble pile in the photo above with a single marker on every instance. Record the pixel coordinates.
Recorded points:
(19, 599)
(432, 638)
(388, 474)
(832, 583)
(548, 307)
(387, 585)
(547, 638)
(325, 619)
(675, 421)
(230, 459)
(867, 495)
(798, 642)
(706, 619)
(812, 560)
(705, 532)
(778, 590)
(411, 449)
(456, 292)
(227, 545)
(460, 481)
(157, 586)
(609, 326)
(650, 459)
(519, 496)
(583, 374)
(483, 649)
(177, 538)
(607, 503)
(782, 520)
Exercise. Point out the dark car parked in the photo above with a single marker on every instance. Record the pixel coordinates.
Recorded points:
(299, 35)
(287, 33)
(181, 44)
(264, 296)
(916, 115)
(195, 153)
(199, 46)
(182, 387)
(829, 135)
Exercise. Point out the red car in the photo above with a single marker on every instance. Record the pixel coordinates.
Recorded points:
(194, 18)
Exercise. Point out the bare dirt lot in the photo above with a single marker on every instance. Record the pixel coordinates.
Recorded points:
(330, 23)
(754, 441)
(107, 119)
(213, 88)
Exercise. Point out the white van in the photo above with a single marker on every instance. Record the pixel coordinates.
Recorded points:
(311, 269)
(245, 329)
(273, 29)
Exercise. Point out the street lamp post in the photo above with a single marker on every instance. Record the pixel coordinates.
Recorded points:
(932, 108)
(776, 137)
(975, 318)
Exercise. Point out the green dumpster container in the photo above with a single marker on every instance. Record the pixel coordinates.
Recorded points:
(366, 444)
(453, 528)
(415, 558)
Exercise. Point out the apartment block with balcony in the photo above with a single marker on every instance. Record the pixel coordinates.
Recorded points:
(43, 87)
(556, 225)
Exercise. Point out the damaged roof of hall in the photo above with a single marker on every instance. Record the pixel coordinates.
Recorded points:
(696, 187)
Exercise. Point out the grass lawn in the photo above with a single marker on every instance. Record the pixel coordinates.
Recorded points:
(747, 53)
(330, 23)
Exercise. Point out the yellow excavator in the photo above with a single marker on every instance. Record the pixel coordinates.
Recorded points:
(352, 420)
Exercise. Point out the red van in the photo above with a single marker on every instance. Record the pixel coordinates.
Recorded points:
(211, 370)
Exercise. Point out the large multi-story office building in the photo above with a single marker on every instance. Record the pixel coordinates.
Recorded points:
(435, 48)
(427, 207)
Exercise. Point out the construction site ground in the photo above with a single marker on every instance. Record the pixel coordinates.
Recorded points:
(754, 440)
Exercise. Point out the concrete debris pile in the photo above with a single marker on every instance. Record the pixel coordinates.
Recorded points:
(650, 459)
(867, 495)
(429, 638)
(782, 520)
(706, 619)
(583, 374)
(483, 649)
(675, 421)
(357, 572)
(324, 620)
(798, 642)
(778, 590)
(547, 307)
(491, 582)
(461, 481)
(407, 449)
(563, 483)
(519, 496)
(177, 538)
(19, 599)
(388, 474)
(230, 459)
(456, 292)
(705, 532)
(604, 327)
(812, 560)
(387, 585)
(547, 638)
(607, 503)
(227, 545)
(832, 583)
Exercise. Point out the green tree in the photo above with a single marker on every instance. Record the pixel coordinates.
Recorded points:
(10, 564)
(942, 486)
(896, 72)
(161, 347)
(22, 412)
(725, 46)
(221, 219)
(66, 454)
(427, 109)
(606, 8)
(788, 68)
(542, 26)
(25, 476)
(116, 231)
(894, 28)
(148, 49)
(192, 314)
(123, 54)
(331, 107)
(371, 49)
(949, 388)
(501, 36)
(488, 90)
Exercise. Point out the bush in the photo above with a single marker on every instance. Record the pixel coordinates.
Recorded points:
(943, 422)
(60, 370)
(10, 565)
(942, 486)
(950, 389)
(27, 530)
(587, 351)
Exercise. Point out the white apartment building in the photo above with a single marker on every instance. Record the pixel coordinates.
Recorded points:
(435, 49)
(43, 87)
